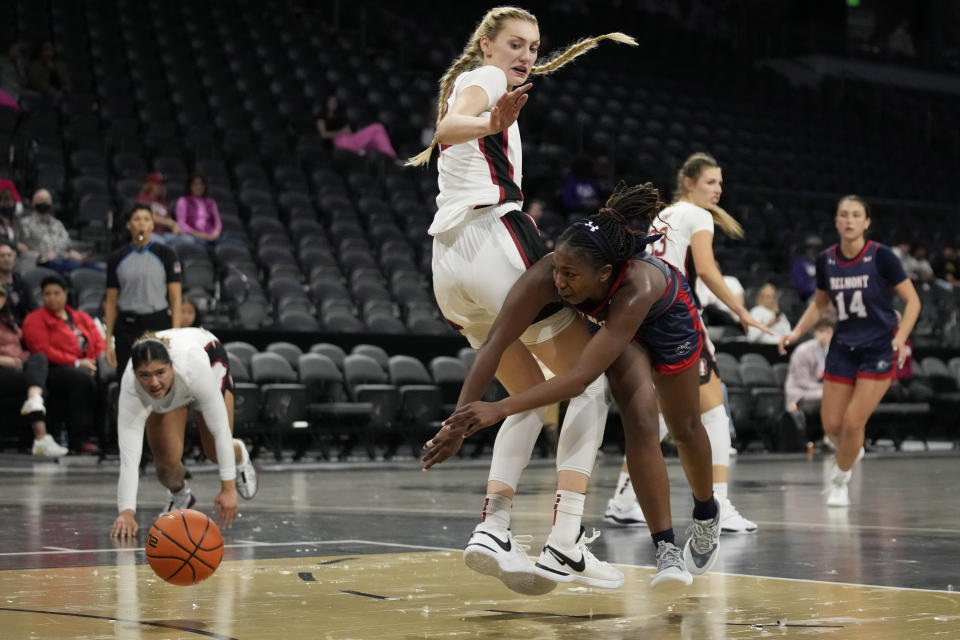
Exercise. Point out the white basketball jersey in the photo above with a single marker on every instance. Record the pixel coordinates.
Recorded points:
(482, 172)
(678, 223)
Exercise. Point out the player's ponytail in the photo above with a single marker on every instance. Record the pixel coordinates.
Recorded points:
(692, 168)
(149, 348)
(472, 57)
(609, 237)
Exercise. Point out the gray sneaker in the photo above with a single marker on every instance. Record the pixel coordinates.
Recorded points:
(703, 545)
(670, 566)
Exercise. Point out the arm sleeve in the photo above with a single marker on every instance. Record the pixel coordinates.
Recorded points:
(889, 267)
(131, 422)
(822, 272)
(489, 78)
(171, 265)
(206, 389)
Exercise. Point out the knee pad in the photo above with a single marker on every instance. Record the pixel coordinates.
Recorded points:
(717, 424)
(582, 431)
(513, 446)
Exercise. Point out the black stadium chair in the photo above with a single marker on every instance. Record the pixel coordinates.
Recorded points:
(368, 382)
(334, 419)
(282, 397)
(421, 401)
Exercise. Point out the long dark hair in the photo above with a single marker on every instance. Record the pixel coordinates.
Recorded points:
(614, 220)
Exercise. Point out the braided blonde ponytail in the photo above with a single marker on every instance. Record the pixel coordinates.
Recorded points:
(472, 57)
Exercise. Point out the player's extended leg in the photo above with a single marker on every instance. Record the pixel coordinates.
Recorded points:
(165, 433)
(679, 397)
(247, 479)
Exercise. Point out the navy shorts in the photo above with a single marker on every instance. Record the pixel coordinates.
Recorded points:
(874, 360)
(676, 338)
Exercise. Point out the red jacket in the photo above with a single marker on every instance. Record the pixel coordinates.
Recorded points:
(46, 333)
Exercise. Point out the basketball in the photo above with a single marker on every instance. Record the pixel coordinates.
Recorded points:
(184, 547)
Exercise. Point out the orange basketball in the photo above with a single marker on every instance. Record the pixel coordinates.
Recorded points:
(184, 547)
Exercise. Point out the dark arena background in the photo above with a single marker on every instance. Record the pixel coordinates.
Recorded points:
(319, 285)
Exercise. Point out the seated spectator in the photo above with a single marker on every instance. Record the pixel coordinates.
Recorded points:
(805, 375)
(804, 270)
(154, 193)
(768, 312)
(7, 183)
(71, 342)
(47, 238)
(10, 227)
(917, 266)
(714, 310)
(19, 297)
(47, 74)
(13, 71)
(332, 125)
(18, 367)
(189, 315)
(946, 267)
(197, 213)
(580, 191)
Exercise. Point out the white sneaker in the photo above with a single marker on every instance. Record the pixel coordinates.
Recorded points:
(47, 446)
(732, 522)
(497, 553)
(703, 546)
(631, 516)
(33, 404)
(839, 492)
(670, 566)
(577, 564)
(183, 499)
(247, 481)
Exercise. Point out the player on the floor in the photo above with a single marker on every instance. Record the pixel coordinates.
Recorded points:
(640, 310)
(858, 277)
(168, 373)
(687, 227)
(482, 244)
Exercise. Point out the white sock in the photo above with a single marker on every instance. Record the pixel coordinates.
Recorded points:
(623, 496)
(567, 513)
(244, 456)
(720, 492)
(496, 511)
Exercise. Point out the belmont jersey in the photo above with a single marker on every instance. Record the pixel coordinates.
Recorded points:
(672, 327)
(861, 289)
(678, 223)
(483, 172)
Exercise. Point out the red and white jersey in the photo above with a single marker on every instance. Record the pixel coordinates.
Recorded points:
(197, 382)
(483, 172)
(678, 223)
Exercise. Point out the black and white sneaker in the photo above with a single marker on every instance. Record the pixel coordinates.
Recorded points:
(577, 564)
(498, 553)
(631, 516)
(183, 499)
(703, 546)
(247, 481)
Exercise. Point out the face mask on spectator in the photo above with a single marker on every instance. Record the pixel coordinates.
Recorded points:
(43, 207)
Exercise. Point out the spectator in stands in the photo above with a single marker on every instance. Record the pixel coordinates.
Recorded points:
(71, 342)
(580, 191)
(197, 213)
(946, 267)
(17, 366)
(154, 193)
(333, 126)
(10, 227)
(47, 238)
(900, 42)
(768, 312)
(143, 288)
(189, 315)
(47, 74)
(917, 265)
(714, 308)
(13, 71)
(805, 376)
(19, 296)
(8, 184)
(804, 270)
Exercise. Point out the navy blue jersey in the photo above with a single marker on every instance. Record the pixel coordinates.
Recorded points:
(861, 289)
(671, 331)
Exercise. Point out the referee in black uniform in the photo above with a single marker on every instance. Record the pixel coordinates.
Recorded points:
(143, 288)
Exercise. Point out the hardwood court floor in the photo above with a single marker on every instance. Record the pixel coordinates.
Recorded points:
(375, 553)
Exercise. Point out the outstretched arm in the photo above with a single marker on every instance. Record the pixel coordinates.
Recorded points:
(467, 118)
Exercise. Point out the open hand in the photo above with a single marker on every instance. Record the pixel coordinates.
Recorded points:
(475, 416)
(125, 526)
(442, 446)
(508, 107)
(225, 504)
